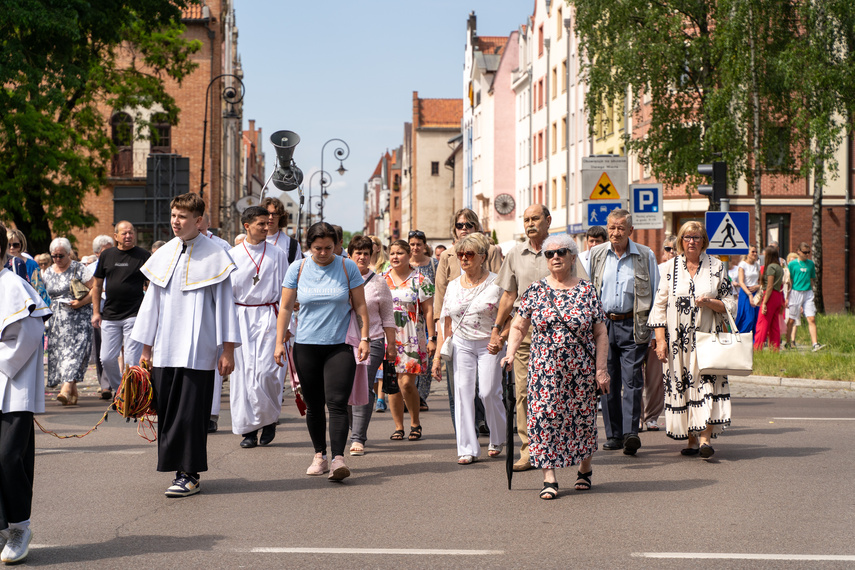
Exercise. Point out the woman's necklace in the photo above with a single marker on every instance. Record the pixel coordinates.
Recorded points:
(477, 281)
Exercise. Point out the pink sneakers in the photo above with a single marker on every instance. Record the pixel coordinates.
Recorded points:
(319, 465)
(339, 469)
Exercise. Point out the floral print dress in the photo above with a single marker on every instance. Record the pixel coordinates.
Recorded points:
(69, 331)
(562, 386)
(407, 298)
(693, 400)
(424, 380)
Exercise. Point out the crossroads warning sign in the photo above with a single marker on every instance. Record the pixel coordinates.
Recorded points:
(604, 189)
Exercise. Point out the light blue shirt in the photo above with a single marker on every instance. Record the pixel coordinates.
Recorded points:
(323, 294)
(617, 293)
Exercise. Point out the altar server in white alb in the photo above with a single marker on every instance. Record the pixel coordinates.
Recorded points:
(275, 236)
(204, 224)
(257, 382)
(22, 394)
(188, 327)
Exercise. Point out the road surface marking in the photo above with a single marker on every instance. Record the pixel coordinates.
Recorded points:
(746, 556)
(400, 551)
(817, 419)
(114, 452)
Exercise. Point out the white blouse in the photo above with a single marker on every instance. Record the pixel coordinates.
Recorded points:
(477, 322)
(752, 273)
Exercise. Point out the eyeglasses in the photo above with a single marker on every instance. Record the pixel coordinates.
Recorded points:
(804, 252)
(560, 252)
(15, 244)
(467, 225)
(692, 238)
(466, 254)
(273, 214)
(418, 234)
(58, 256)
(668, 249)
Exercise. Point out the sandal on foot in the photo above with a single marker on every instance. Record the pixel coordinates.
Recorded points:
(415, 433)
(583, 481)
(397, 435)
(549, 491)
(357, 448)
(465, 460)
(706, 451)
(495, 450)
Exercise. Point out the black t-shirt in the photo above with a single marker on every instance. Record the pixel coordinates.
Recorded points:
(123, 280)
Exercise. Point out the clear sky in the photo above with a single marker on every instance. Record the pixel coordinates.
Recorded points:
(347, 69)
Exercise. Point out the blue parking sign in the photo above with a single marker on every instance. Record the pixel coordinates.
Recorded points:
(598, 211)
(645, 199)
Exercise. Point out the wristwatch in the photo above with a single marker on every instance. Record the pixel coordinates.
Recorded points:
(495, 326)
(433, 338)
(366, 339)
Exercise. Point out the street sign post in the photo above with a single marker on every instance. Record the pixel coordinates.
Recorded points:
(604, 188)
(728, 232)
(646, 206)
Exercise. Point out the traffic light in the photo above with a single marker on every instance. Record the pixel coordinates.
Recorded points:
(717, 174)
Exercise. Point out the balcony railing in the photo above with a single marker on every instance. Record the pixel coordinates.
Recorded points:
(131, 162)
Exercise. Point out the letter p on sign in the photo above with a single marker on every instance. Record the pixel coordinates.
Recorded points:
(646, 201)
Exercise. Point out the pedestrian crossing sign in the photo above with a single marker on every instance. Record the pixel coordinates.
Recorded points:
(728, 232)
(604, 189)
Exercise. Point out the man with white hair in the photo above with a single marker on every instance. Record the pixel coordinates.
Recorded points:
(625, 276)
(119, 276)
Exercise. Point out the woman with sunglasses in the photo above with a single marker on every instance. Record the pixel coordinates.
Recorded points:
(17, 250)
(425, 264)
(413, 308)
(568, 364)
(749, 284)
(468, 313)
(693, 296)
(69, 330)
(464, 222)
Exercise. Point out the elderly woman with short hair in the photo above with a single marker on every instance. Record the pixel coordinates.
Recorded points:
(569, 354)
(693, 296)
(468, 313)
(69, 330)
(17, 249)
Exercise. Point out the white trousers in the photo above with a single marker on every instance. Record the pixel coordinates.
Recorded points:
(472, 361)
(114, 335)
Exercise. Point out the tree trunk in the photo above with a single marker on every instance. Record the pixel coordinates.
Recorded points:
(816, 231)
(37, 230)
(758, 168)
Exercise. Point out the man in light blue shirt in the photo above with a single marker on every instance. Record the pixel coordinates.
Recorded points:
(625, 276)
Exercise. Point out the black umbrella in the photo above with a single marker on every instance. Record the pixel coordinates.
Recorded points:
(510, 406)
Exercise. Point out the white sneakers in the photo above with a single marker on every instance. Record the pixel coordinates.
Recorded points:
(17, 545)
(184, 485)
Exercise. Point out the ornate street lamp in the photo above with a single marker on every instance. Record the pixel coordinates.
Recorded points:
(319, 203)
(232, 96)
(341, 153)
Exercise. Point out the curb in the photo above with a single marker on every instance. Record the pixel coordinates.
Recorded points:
(794, 382)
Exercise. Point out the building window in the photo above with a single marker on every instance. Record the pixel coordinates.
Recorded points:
(553, 199)
(397, 202)
(161, 134)
(540, 41)
(434, 168)
(554, 82)
(539, 146)
(563, 190)
(540, 94)
(778, 229)
(554, 138)
(122, 133)
(564, 76)
(559, 24)
(564, 132)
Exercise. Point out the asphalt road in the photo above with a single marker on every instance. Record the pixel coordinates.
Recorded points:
(779, 488)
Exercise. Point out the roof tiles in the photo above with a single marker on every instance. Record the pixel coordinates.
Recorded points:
(492, 44)
(440, 113)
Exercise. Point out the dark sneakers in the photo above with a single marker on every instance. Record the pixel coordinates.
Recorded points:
(631, 443)
(613, 443)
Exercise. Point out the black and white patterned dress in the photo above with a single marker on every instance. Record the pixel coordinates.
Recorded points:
(692, 401)
(69, 331)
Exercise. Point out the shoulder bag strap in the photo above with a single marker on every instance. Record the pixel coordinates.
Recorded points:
(550, 296)
(292, 250)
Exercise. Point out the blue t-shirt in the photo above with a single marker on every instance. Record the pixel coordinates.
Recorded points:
(323, 294)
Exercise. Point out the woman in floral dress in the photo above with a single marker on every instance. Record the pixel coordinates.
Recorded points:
(69, 330)
(411, 295)
(424, 263)
(569, 353)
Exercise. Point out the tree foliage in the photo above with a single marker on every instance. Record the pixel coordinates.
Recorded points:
(62, 64)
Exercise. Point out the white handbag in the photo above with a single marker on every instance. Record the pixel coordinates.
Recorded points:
(447, 350)
(725, 353)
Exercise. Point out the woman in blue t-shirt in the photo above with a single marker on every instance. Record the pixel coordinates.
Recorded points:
(323, 285)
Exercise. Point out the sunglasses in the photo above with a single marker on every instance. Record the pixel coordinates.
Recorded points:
(418, 234)
(466, 254)
(668, 249)
(804, 252)
(560, 252)
(15, 244)
(58, 256)
(467, 225)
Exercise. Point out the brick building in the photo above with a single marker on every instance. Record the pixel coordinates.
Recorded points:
(146, 174)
